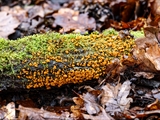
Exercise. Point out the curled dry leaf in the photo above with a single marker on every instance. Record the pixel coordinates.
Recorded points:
(50, 7)
(146, 75)
(153, 34)
(114, 99)
(114, 70)
(92, 91)
(154, 106)
(134, 24)
(76, 112)
(154, 17)
(39, 114)
(7, 24)
(153, 54)
(71, 20)
(16, 11)
(143, 64)
(41, 10)
(78, 101)
(90, 104)
(8, 112)
(147, 50)
(35, 11)
(156, 94)
(100, 116)
(136, 112)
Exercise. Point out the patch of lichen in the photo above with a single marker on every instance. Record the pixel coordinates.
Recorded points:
(53, 59)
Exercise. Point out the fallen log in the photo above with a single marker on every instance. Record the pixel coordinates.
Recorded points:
(53, 59)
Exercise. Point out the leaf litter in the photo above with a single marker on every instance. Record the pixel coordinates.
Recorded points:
(114, 99)
(7, 20)
(108, 100)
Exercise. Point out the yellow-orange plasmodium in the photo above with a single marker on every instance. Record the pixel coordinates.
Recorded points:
(53, 59)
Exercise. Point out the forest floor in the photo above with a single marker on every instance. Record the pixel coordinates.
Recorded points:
(133, 93)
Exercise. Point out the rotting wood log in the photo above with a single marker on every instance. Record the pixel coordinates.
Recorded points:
(52, 59)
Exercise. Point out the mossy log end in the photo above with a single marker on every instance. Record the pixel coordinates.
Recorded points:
(52, 59)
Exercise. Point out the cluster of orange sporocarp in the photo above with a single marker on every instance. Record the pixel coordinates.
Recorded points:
(85, 59)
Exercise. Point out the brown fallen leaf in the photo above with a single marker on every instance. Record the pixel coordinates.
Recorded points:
(40, 114)
(113, 71)
(147, 51)
(7, 24)
(136, 24)
(146, 75)
(35, 11)
(101, 116)
(76, 112)
(92, 91)
(89, 102)
(50, 7)
(128, 9)
(138, 112)
(71, 20)
(8, 112)
(114, 98)
(154, 106)
(156, 94)
(16, 11)
(78, 101)
(154, 17)
(153, 54)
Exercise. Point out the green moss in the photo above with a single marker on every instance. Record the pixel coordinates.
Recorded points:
(110, 31)
(53, 59)
(137, 34)
(13, 52)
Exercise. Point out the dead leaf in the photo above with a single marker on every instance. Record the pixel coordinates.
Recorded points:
(142, 63)
(16, 11)
(78, 101)
(153, 54)
(151, 32)
(136, 112)
(154, 16)
(92, 91)
(76, 112)
(35, 11)
(8, 112)
(136, 24)
(7, 24)
(49, 7)
(90, 104)
(146, 75)
(71, 20)
(156, 94)
(147, 51)
(114, 99)
(40, 114)
(127, 10)
(154, 106)
(113, 71)
(100, 116)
